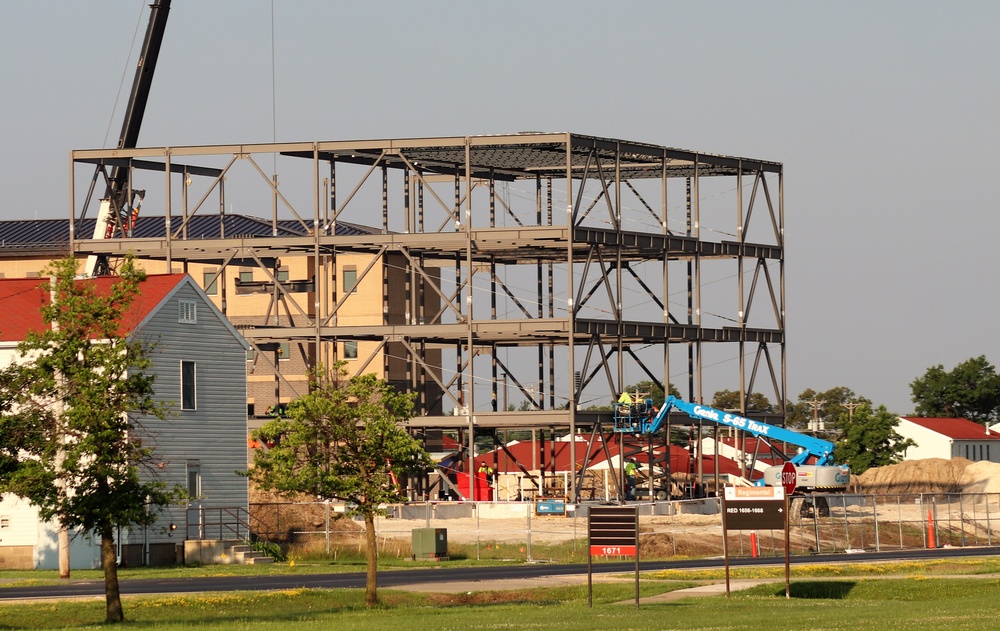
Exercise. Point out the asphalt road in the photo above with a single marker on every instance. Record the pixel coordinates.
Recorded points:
(392, 578)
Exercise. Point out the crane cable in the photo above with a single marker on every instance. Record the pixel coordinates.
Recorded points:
(274, 114)
(121, 83)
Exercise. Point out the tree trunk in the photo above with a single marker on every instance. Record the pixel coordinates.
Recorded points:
(109, 562)
(371, 582)
(64, 565)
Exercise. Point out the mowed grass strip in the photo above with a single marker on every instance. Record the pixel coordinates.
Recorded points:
(883, 604)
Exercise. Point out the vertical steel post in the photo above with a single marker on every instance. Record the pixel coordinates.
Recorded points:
(166, 220)
(570, 307)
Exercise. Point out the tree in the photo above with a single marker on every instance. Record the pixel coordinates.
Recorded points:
(646, 388)
(343, 441)
(654, 389)
(827, 407)
(870, 439)
(730, 400)
(79, 392)
(970, 390)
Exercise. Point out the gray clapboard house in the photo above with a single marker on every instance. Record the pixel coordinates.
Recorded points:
(199, 363)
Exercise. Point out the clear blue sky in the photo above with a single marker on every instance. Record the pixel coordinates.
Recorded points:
(885, 115)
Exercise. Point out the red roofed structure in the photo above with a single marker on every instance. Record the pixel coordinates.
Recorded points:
(949, 438)
(23, 299)
(520, 464)
(199, 370)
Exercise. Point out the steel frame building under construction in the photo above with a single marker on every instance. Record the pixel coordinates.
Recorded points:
(538, 264)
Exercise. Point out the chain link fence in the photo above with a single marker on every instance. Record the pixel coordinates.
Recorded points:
(517, 531)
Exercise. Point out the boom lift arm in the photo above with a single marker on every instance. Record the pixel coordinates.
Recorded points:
(644, 418)
(821, 449)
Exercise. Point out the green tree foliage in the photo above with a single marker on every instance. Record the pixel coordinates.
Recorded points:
(654, 390)
(870, 439)
(79, 392)
(730, 400)
(832, 404)
(343, 441)
(970, 390)
(645, 388)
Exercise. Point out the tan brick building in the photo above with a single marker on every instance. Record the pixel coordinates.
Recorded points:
(252, 296)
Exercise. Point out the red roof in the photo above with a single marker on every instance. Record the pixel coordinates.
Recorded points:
(23, 298)
(954, 428)
(680, 459)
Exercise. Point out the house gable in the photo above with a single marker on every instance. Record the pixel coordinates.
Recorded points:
(209, 440)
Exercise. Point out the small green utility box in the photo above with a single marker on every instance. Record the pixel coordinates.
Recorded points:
(430, 543)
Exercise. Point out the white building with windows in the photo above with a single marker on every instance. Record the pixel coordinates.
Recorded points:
(199, 364)
(949, 438)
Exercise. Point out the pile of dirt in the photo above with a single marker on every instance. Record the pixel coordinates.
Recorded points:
(981, 477)
(285, 519)
(931, 475)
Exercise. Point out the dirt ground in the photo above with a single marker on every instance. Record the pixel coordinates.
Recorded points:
(681, 534)
(930, 475)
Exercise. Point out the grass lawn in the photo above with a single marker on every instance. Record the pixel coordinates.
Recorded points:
(920, 600)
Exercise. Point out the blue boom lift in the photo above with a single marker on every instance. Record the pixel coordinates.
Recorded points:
(642, 417)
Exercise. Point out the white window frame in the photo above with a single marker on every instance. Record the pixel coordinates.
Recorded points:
(193, 467)
(194, 386)
(187, 312)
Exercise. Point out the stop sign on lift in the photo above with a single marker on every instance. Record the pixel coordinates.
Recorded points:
(789, 478)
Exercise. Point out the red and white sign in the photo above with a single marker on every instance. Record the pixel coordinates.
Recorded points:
(789, 478)
(754, 493)
(612, 551)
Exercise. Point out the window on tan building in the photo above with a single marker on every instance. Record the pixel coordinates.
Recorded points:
(350, 279)
(350, 350)
(211, 283)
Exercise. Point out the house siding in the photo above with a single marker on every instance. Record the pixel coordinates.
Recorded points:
(977, 451)
(214, 435)
(929, 444)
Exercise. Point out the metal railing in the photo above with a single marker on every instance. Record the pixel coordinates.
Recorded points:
(218, 523)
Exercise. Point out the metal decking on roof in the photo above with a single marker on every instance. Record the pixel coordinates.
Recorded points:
(45, 235)
(529, 155)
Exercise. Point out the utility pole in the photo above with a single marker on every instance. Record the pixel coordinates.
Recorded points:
(850, 409)
(816, 425)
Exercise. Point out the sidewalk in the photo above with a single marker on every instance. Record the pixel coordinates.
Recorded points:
(708, 589)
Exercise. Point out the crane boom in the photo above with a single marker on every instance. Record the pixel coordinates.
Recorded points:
(117, 215)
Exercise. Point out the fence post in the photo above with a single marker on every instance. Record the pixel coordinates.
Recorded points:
(989, 528)
(530, 510)
(878, 544)
(923, 527)
(576, 513)
(932, 539)
(975, 522)
(847, 528)
(327, 502)
(816, 527)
